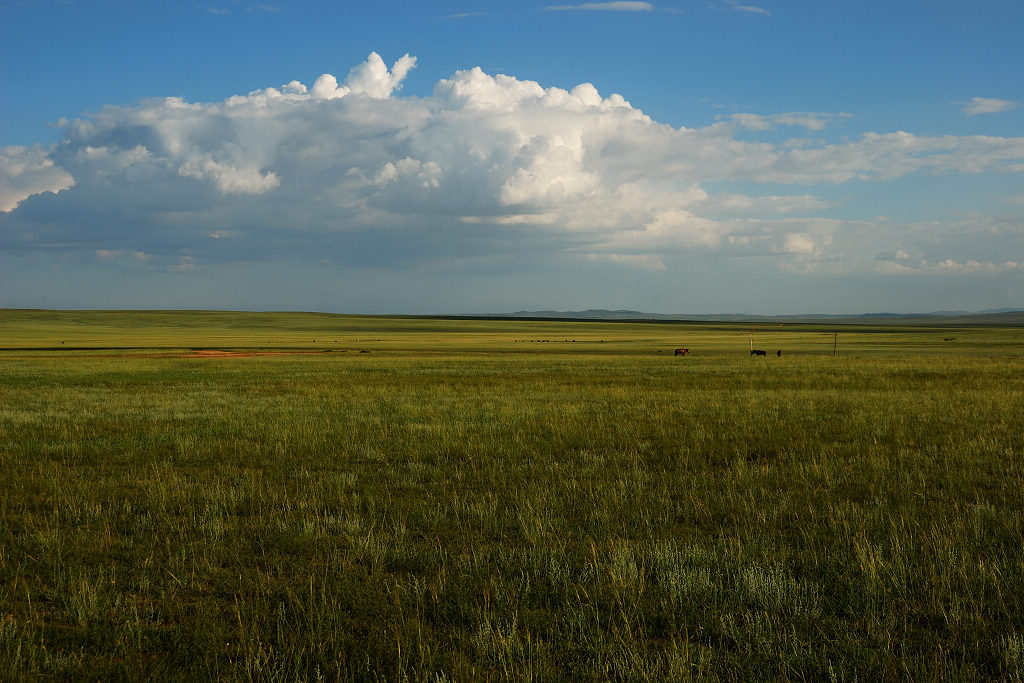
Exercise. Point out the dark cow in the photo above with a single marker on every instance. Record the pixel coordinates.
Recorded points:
(682, 352)
(758, 352)
(779, 353)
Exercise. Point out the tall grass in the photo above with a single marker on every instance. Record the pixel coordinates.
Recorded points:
(490, 508)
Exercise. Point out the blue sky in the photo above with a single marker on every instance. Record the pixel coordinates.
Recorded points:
(455, 157)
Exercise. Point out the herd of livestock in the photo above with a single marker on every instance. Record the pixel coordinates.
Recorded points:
(753, 352)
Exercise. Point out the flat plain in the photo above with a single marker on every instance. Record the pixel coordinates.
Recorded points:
(287, 496)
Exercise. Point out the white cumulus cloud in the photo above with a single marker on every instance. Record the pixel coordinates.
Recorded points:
(371, 78)
(25, 171)
(485, 166)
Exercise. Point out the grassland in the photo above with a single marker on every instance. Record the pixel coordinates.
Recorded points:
(462, 500)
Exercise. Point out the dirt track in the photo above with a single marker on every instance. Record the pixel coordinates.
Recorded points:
(198, 353)
(215, 353)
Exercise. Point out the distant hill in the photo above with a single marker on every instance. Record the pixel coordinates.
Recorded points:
(1006, 317)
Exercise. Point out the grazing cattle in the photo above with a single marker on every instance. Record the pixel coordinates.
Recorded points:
(682, 352)
(758, 352)
(779, 353)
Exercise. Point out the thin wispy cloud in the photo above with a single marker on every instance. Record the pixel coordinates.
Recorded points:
(986, 105)
(749, 9)
(622, 6)
(221, 11)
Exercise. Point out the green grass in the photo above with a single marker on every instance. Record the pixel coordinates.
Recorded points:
(464, 501)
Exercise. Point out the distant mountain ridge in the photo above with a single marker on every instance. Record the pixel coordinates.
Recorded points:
(1001, 316)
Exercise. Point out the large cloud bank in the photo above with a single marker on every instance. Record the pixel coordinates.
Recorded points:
(488, 164)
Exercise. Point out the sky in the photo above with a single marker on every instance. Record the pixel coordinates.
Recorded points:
(453, 157)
